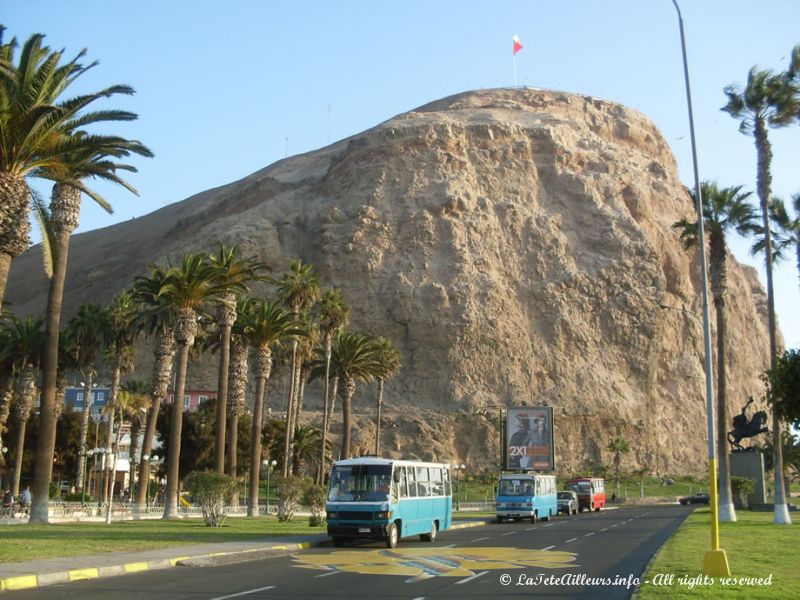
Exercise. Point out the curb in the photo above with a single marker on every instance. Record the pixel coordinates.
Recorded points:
(22, 582)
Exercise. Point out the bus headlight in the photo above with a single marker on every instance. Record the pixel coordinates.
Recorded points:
(386, 514)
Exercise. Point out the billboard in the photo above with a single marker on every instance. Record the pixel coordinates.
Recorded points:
(529, 439)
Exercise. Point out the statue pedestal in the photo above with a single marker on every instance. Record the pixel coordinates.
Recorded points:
(750, 464)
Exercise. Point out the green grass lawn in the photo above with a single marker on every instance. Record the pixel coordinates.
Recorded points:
(755, 548)
(27, 542)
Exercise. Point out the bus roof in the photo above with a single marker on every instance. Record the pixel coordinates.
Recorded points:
(376, 460)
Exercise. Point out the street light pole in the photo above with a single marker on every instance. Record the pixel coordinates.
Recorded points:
(715, 561)
(269, 465)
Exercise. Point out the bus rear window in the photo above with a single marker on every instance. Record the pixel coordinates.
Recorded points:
(359, 483)
(515, 487)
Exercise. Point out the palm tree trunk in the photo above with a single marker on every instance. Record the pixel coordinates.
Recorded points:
(334, 392)
(287, 443)
(162, 369)
(226, 317)
(719, 289)
(325, 385)
(136, 431)
(763, 185)
(65, 208)
(14, 224)
(237, 384)
(378, 419)
(263, 368)
(22, 425)
(109, 449)
(87, 407)
(176, 426)
(347, 405)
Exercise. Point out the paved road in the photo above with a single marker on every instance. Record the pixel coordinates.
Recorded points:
(493, 561)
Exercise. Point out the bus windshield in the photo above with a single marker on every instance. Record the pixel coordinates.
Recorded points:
(515, 487)
(360, 483)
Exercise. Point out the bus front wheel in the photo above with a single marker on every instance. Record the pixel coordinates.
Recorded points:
(429, 537)
(391, 536)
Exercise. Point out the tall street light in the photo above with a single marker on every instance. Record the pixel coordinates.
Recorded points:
(269, 465)
(715, 561)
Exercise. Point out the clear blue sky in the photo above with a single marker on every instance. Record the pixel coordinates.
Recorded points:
(227, 88)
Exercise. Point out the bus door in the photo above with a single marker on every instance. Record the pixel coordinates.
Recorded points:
(425, 502)
(408, 501)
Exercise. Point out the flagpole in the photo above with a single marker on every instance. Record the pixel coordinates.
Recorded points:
(514, 61)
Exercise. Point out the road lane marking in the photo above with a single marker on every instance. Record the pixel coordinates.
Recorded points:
(471, 578)
(588, 534)
(510, 533)
(480, 539)
(548, 548)
(549, 524)
(571, 540)
(530, 528)
(329, 574)
(612, 527)
(606, 529)
(269, 587)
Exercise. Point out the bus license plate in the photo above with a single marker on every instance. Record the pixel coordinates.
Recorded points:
(364, 530)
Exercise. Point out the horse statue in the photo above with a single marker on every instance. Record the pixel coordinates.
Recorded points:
(742, 428)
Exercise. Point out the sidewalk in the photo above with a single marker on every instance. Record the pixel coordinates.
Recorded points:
(23, 575)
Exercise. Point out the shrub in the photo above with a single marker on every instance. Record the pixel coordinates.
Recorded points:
(288, 491)
(742, 487)
(314, 498)
(78, 497)
(211, 491)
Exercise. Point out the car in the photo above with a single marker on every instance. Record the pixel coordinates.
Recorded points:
(699, 498)
(568, 502)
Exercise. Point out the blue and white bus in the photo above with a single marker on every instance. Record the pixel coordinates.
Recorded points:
(385, 499)
(522, 496)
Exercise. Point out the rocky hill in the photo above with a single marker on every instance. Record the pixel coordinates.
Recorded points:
(517, 247)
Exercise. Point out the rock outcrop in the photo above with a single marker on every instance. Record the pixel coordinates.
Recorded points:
(517, 247)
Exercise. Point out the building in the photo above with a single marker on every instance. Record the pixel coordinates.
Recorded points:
(192, 398)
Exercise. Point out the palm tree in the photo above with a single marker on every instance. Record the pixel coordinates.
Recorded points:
(307, 343)
(123, 328)
(265, 325)
(333, 314)
(768, 100)
(238, 373)
(355, 359)
(788, 230)
(25, 340)
(234, 274)
(157, 319)
(306, 449)
(389, 364)
(724, 210)
(298, 289)
(132, 402)
(186, 289)
(618, 446)
(89, 330)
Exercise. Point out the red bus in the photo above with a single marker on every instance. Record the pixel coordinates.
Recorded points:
(591, 492)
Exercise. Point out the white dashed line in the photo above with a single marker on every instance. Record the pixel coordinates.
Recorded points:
(480, 539)
(571, 540)
(606, 529)
(329, 574)
(510, 533)
(612, 527)
(588, 534)
(549, 524)
(471, 578)
(548, 548)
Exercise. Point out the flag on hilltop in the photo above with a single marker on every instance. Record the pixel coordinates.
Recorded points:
(517, 45)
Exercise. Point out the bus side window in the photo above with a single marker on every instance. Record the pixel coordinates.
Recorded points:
(437, 489)
(423, 483)
(447, 490)
(403, 482)
(412, 482)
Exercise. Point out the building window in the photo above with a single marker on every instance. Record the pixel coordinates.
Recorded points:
(203, 398)
(101, 396)
(186, 400)
(79, 397)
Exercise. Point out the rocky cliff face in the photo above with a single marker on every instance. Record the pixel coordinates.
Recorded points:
(517, 247)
